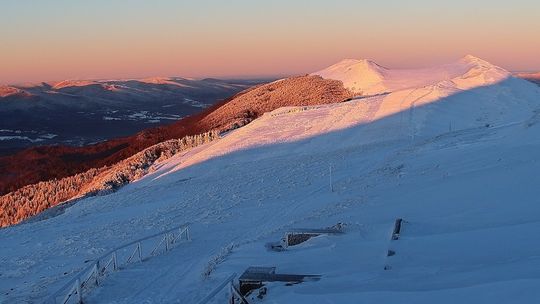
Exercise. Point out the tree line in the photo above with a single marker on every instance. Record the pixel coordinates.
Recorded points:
(30, 200)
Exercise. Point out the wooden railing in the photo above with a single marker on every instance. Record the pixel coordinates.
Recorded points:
(116, 259)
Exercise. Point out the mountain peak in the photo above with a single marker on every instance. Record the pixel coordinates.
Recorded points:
(6, 91)
(364, 64)
(365, 77)
(73, 83)
(352, 61)
(475, 60)
(470, 57)
(361, 76)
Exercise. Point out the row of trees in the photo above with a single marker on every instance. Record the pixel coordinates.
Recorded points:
(30, 200)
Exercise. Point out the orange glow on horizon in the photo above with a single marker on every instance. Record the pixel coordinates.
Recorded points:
(251, 39)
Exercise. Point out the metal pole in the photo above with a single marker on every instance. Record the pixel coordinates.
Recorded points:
(331, 183)
(115, 266)
(139, 250)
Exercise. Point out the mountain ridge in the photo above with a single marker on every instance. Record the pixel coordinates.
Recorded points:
(365, 77)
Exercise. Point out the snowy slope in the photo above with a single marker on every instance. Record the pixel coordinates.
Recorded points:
(365, 77)
(459, 165)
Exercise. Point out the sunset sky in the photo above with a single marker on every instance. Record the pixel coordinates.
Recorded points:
(43, 40)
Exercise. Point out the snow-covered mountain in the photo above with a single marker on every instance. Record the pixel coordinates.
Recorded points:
(6, 91)
(452, 150)
(365, 77)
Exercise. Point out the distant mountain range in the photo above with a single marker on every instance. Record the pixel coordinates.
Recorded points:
(533, 77)
(81, 112)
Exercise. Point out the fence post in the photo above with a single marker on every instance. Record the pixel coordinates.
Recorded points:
(79, 295)
(331, 183)
(115, 266)
(96, 270)
(139, 249)
(231, 293)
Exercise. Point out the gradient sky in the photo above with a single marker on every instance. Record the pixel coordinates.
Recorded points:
(43, 40)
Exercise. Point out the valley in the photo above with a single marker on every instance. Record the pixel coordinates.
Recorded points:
(79, 113)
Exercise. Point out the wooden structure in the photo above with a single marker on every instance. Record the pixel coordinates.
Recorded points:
(298, 236)
(397, 229)
(255, 277)
(395, 236)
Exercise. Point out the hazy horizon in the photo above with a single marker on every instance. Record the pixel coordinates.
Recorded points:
(224, 77)
(60, 39)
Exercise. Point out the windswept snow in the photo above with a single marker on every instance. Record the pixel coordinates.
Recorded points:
(457, 160)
